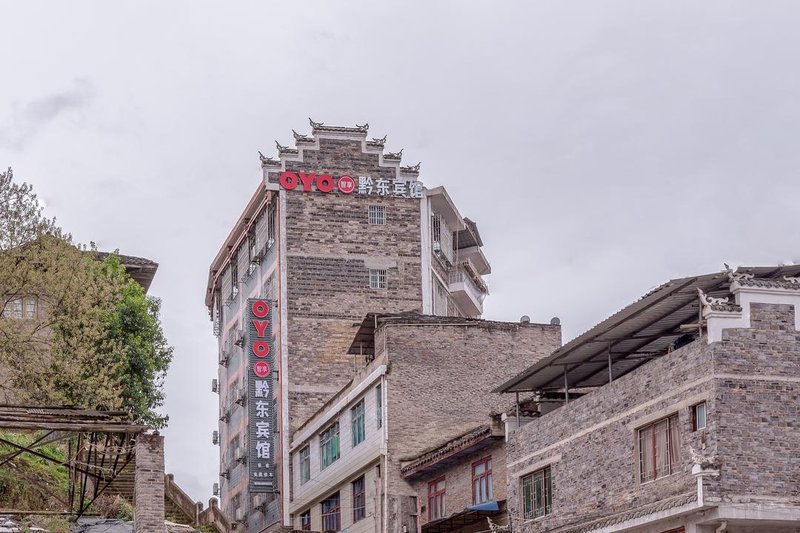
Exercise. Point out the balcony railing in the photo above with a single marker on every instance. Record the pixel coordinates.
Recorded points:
(463, 279)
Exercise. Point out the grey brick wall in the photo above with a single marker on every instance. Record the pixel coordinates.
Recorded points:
(439, 384)
(149, 485)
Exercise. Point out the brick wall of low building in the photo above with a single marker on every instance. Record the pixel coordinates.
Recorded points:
(149, 484)
(749, 383)
(330, 247)
(439, 383)
(758, 419)
(458, 482)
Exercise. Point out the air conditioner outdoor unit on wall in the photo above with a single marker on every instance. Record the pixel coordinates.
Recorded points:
(215, 437)
(437, 247)
(214, 385)
(215, 489)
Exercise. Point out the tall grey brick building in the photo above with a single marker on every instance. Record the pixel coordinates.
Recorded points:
(337, 228)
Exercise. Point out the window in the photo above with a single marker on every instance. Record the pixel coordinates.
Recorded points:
(357, 422)
(436, 499)
(329, 445)
(379, 405)
(331, 517)
(439, 298)
(251, 244)
(658, 448)
(305, 521)
(699, 416)
(442, 239)
(271, 221)
(537, 494)
(482, 480)
(359, 500)
(377, 215)
(305, 464)
(21, 307)
(377, 278)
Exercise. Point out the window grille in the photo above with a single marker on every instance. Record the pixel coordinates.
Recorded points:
(271, 221)
(377, 278)
(305, 464)
(305, 521)
(357, 422)
(234, 276)
(329, 445)
(377, 215)
(359, 499)
(331, 516)
(537, 494)
(379, 405)
(442, 239)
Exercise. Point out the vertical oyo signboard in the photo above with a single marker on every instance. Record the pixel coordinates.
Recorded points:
(260, 388)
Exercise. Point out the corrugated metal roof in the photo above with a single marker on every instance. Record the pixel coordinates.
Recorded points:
(636, 334)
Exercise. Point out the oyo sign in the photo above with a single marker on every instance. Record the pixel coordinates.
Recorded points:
(323, 182)
(364, 186)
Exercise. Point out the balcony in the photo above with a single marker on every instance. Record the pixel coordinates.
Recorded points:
(468, 289)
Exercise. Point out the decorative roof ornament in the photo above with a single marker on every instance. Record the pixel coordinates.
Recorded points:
(497, 528)
(792, 280)
(412, 168)
(315, 124)
(267, 160)
(710, 301)
(363, 127)
(705, 462)
(298, 137)
(280, 147)
(394, 155)
(378, 142)
(736, 276)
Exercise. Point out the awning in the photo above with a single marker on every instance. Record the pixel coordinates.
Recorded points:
(635, 335)
(485, 506)
(467, 517)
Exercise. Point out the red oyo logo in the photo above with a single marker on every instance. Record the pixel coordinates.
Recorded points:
(261, 369)
(323, 182)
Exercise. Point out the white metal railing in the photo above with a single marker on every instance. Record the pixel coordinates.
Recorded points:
(461, 276)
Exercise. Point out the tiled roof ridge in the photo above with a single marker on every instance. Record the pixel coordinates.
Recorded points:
(447, 447)
(322, 127)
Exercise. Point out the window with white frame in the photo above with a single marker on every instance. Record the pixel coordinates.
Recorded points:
(658, 448)
(377, 278)
(699, 416)
(329, 445)
(305, 464)
(357, 423)
(377, 215)
(537, 494)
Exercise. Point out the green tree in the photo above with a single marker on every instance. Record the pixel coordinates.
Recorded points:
(74, 330)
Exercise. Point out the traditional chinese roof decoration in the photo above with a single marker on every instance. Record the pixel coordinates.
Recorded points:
(394, 156)
(320, 126)
(411, 169)
(639, 512)
(300, 138)
(643, 330)
(787, 282)
(718, 304)
(284, 149)
(268, 161)
(377, 142)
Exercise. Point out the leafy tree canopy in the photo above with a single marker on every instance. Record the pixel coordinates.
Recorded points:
(74, 330)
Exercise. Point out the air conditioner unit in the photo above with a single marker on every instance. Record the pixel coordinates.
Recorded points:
(239, 339)
(225, 417)
(437, 247)
(223, 359)
(224, 474)
(240, 514)
(241, 396)
(215, 489)
(240, 455)
(215, 385)
(270, 243)
(215, 437)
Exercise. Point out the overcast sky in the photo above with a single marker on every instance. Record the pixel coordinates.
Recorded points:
(602, 147)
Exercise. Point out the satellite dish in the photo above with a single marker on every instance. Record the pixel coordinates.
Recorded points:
(525, 319)
(555, 321)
